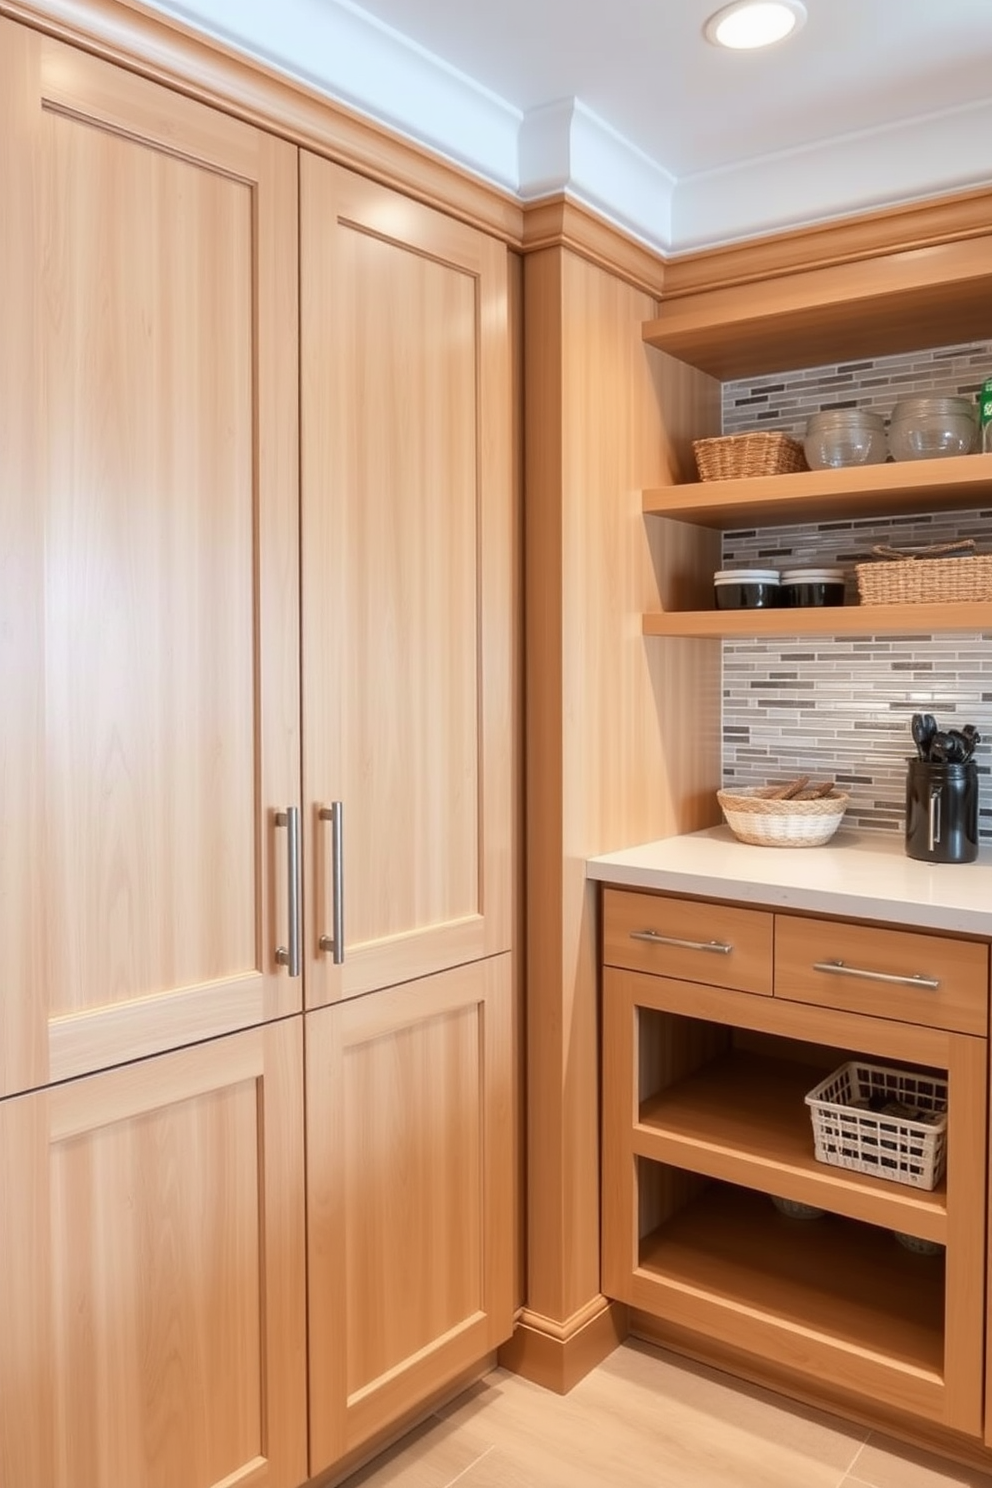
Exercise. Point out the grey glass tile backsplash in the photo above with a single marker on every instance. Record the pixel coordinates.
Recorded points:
(842, 708)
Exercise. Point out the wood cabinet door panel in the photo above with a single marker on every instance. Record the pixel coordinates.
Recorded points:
(148, 609)
(407, 538)
(409, 1182)
(153, 1280)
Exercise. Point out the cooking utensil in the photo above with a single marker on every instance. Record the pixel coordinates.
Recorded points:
(920, 736)
(924, 727)
(783, 792)
(947, 747)
(973, 738)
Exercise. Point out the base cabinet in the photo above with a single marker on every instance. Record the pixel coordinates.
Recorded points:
(409, 1185)
(705, 1121)
(152, 1288)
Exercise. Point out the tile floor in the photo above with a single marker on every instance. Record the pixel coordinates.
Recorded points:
(646, 1419)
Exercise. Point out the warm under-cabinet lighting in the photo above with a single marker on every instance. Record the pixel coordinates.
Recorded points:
(754, 23)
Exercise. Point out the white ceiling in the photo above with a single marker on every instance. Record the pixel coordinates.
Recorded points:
(626, 106)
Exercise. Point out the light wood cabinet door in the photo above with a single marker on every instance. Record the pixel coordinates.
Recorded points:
(152, 1286)
(407, 584)
(409, 1197)
(148, 564)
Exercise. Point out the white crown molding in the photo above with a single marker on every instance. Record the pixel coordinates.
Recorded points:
(344, 53)
(564, 146)
(858, 172)
(338, 49)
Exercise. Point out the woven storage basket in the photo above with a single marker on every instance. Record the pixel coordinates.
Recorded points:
(769, 823)
(925, 579)
(737, 456)
(886, 1146)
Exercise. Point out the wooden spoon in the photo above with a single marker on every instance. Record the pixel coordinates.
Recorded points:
(787, 791)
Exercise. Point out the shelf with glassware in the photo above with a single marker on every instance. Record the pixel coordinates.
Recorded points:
(894, 489)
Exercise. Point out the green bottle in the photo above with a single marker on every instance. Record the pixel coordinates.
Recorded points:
(985, 417)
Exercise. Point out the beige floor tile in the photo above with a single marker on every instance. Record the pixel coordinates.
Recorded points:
(884, 1463)
(646, 1420)
(431, 1456)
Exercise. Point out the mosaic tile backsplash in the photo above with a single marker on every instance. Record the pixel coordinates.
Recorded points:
(842, 708)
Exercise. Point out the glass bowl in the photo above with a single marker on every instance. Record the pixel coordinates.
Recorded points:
(844, 436)
(931, 428)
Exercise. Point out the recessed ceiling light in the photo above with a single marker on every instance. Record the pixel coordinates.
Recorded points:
(754, 23)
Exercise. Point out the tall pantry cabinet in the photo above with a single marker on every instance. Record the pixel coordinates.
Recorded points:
(407, 573)
(200, 655)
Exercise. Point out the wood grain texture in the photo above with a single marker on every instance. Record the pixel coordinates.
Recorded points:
(557, 1357)
(601, 414)
(153, 1238)
(847, 1305)
(164, 49)
(557, 222)
(877, 306)
(866, 235)
(902, 1329)
(960, 1003)
(743, 1119)
(748, 932)
(153, 332)
(834, 620)
(410, 1173)
(827, 495)
(408, 530)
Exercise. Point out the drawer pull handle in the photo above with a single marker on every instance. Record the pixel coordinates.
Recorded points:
(718, 947)
(837, 968)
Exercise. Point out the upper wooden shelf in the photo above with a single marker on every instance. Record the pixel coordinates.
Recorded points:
(835, 620)
(939, 295)
(964, 482)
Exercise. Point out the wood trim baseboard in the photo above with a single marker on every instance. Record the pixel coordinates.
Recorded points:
(557, 1355)
(746, 1367)
(163, 49)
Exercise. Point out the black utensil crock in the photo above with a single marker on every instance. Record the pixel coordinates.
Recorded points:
(942, 812)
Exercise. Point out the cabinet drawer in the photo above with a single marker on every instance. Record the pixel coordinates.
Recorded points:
(696, 942)
(878, 970)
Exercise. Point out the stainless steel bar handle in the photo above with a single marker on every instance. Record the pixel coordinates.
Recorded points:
(718, 947)
(335, 941)
(933, 835)
(838, 968)
(290, 956)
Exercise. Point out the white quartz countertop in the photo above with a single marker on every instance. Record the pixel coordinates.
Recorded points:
(859, 875)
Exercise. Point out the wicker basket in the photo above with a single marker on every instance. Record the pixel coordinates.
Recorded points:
(926, 577)
(769, 823)
(885, 1145)
(740, 456)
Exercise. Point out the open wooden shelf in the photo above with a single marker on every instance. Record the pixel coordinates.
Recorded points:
(837, 620)
(848, 1286)
(962, 483)
(870, 307)
(743, 1119)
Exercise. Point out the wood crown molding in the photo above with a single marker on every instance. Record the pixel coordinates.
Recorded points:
(557, 222)
(162, 49)
(945, 219)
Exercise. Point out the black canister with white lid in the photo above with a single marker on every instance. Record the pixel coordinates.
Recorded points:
(747, 588)
(812, 587)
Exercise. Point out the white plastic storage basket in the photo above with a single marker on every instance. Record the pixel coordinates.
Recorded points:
(885, 1144)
